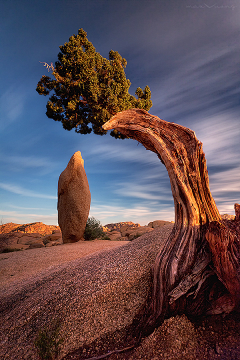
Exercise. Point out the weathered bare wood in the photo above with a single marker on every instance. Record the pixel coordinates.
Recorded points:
(225, 248)
(184, 268)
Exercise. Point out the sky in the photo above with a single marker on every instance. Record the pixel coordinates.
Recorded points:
(186, 51)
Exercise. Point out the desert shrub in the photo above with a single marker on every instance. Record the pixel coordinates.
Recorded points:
(93, 229)
(48, 341)
(105, 237)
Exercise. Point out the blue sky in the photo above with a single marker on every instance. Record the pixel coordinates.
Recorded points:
(187, 51)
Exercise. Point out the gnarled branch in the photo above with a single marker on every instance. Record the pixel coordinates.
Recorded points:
(190, 271)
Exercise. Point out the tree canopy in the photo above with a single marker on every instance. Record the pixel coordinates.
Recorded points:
(89, 89)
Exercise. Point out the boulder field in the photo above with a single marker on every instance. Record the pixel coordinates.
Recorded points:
(129, 230)
(36, 235)
(15, 237)
(28, 236)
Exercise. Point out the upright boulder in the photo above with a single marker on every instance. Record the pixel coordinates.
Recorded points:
(237, 211)
(74, 200)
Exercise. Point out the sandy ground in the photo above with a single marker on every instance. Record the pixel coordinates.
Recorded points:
(96, 288)
(95, 297)
(19, 265)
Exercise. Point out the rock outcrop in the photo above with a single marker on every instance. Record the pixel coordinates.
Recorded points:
(28, 236)
(114, 235)
(133, 233)
(227, 217)
(74, 200)
(156, 223)
(126, 230)
(36, 227)
(129, 231)
(119, 226)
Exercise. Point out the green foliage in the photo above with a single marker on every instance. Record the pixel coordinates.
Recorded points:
(105, 237)
(89, 89)
(48, 342)
(93, 229)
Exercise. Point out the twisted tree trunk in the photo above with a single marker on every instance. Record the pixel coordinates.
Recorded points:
(198, 270)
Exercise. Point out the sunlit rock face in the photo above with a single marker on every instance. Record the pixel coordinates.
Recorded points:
(74, 200)
(28, 236)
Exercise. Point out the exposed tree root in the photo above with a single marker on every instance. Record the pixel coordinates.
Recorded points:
(111, 353)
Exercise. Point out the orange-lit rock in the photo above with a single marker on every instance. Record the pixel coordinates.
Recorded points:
(74, 200)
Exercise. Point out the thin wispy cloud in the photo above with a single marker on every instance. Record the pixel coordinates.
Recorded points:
(16, 189)
(11, 105)
(220, 136)
(226, 182)
(225, 206)
(189, 57)
(22, 164)
(203, 81)
(28, 161)
(140, 214)
(140, 191)
(18, 217)
(127, 152)
(25, 208)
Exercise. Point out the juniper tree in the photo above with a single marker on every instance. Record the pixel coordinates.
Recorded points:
(87, 88)
(198, 270)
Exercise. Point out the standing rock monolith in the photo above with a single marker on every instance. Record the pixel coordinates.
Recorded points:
(74, 200)
(237, 211)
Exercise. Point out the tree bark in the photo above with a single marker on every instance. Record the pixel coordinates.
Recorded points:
(198, 270)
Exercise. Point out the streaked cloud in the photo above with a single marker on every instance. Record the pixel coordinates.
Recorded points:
(127, 151)
(11, 105)
(26, 208)
(28, 161)
(226, 185)
(189, 58)
(25, 163)
(19, 217)
(16, 189)
(201, 81)
(143, 191)
(220, 136)
(141, 214)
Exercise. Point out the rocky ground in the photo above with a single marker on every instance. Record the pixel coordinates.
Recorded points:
(129, 230)
(15, 237)
(178, 338)
(19, 265)
(66, 287)
(96, 296)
